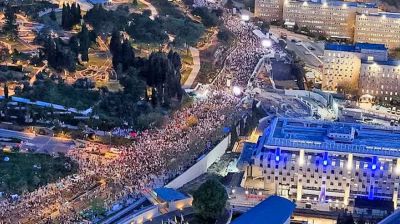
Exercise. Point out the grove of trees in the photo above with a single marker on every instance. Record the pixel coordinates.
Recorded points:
(71, 15)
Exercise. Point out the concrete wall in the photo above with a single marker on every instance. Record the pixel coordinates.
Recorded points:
(201, 166)
(308, 94)
(141, 216)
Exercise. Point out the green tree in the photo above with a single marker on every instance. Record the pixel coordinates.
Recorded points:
(265, 27)
(10, 27)
(229, 4)
(210, 199)
(84, 41)
(53, 15)
(5, 90)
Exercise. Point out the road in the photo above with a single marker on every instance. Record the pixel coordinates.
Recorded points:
(195, 68)
(43, 143)
(311, 58)
(154, 12)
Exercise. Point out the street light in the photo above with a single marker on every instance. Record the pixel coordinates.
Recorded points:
(266, 43)
(245, 17)
(237, 91)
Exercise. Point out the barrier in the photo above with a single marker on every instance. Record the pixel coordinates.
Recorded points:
(201, 166)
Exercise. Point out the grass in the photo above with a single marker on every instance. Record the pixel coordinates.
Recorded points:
(26, 172)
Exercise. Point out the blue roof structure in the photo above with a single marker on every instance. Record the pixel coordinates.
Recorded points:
(313, 135)
(354, 47)
(273, 210)
(169, 194)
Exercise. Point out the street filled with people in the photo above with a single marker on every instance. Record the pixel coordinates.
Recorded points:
(156, 156)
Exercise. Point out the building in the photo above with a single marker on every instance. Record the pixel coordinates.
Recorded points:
(342, 64)
(380, 80)
(269, 10)
(327, 165)
(382, 28)
(334, 19)
(363, 69)
(155, 203)
(275, 209)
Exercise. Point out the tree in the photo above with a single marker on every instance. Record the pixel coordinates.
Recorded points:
(84, 41)
(265, 27)
(209, 199)
(345, 218)
(115, 42)
(10, 27)
(5, 90)
(53, 15)
(229, 4)
(135, 2)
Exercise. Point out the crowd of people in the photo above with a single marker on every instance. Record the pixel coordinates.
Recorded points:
(153, 159)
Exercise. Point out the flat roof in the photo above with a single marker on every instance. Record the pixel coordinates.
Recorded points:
(313, 135)
(388, 63)
(357, 47)
(340, 3)
(169, 194)
(387, 14)
(275, 209)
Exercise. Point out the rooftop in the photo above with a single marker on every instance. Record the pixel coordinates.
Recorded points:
(275, 209)
(389, 62)
(313, 134)
(169, 194)
(354, 47)
(340, 4)
(386, 14)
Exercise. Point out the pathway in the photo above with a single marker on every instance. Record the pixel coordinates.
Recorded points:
(154, 12)
(195, 69)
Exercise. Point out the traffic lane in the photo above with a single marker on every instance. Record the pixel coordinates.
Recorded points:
(16, 134)
(43, 143)
(299, 50)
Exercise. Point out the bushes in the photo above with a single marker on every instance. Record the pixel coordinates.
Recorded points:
(208, 18)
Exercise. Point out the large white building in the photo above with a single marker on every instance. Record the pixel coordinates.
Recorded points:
(327, 164)
(363, 68)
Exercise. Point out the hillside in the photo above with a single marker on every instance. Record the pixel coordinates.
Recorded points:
(391, 5)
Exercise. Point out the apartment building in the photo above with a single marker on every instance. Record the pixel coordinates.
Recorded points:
(335, 19)
(362, 67)
(342, 64)
(380, 79)
(341, 68)
(383, 28)
(327, 165)
(269, 10)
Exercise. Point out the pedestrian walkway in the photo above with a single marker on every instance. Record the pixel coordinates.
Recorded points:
(153, 10)
(195, 70)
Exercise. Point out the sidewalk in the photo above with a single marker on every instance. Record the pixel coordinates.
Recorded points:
(195, 70)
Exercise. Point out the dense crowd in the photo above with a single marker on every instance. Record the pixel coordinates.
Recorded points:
(154, 158)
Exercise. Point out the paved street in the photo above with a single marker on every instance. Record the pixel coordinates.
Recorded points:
(43, 143)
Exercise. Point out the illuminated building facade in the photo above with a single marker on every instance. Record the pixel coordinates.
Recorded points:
(382, 28)
(333, 19)
(326, 165)
(269, 10)
(380, 79)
